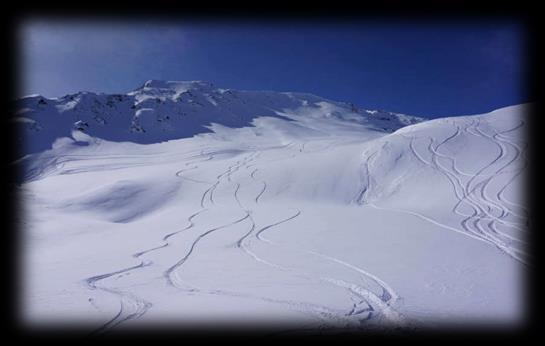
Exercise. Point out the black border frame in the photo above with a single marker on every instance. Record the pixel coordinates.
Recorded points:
(282, 10)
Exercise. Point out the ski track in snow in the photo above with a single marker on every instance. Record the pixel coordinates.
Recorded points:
(365, 296)
(130, 306)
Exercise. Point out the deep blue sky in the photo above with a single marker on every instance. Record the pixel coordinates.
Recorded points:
(432, 69)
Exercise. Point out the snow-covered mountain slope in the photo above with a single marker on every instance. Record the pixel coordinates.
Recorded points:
(470, 166)
(160, 111)
(311, 216)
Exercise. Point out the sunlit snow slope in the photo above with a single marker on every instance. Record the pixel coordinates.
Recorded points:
(280, 209)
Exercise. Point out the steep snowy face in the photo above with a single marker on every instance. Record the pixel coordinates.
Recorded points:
(164, 110)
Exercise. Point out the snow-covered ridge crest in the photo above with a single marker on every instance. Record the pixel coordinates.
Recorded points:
(159, 111)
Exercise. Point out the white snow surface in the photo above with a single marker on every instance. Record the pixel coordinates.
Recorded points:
(290, 211)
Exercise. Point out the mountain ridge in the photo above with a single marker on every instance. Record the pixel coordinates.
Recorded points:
(165, 110)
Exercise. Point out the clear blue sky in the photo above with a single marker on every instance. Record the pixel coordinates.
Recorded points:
(430, 69)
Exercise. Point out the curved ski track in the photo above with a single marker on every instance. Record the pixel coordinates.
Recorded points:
(470, 190)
